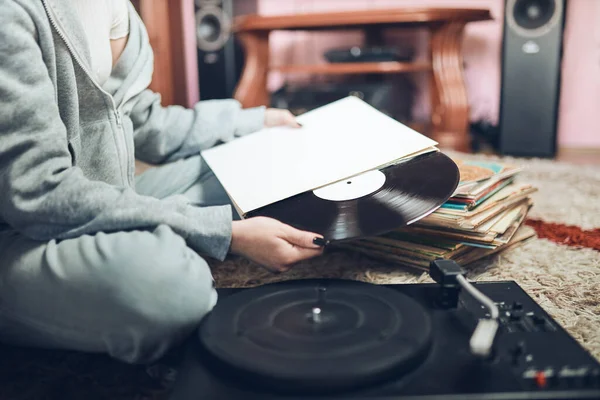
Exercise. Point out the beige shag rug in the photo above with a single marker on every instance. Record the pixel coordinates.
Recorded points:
(564, 280)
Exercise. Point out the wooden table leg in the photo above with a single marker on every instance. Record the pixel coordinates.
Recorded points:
(450, 107)
(252, 88)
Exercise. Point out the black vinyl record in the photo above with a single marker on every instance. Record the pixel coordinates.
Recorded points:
(408, 192)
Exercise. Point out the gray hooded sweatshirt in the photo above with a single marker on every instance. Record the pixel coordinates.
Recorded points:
(68, 146)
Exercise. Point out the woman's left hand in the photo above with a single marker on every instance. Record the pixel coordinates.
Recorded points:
(279, 117)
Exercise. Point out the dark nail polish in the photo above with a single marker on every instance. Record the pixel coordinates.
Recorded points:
(299, 124)
(320, 242)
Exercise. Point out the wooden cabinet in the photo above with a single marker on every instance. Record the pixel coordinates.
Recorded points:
(165, 22)
(450, 108)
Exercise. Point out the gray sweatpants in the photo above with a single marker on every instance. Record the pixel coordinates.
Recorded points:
(130, 294)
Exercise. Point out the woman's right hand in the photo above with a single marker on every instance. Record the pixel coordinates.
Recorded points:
(272, 244)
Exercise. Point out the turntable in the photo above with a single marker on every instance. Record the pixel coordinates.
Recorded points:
(347, 339)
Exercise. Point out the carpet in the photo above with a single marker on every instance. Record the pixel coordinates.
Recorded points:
(560, 269)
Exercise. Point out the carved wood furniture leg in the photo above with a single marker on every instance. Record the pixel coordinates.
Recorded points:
(252, 88)
(450, 107)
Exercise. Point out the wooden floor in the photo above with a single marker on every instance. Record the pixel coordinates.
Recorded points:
(580, 156)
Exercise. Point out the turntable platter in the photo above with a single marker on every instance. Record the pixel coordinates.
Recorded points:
(316, 335)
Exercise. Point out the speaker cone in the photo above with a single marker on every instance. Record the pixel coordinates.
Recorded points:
(532, 18)
(532, 14)
(212, 28)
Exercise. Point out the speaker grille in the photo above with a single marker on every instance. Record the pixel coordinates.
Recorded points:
(533, 18)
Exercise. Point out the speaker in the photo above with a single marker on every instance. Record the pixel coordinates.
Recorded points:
(531, 69)
(220, 55)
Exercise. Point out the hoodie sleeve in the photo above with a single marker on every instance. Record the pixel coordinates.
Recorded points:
(164, 134)
(42, 195)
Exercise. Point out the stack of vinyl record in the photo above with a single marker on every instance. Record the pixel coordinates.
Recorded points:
(484, 215)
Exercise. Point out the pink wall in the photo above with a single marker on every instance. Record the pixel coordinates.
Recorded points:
(579, 122)
(580, 92)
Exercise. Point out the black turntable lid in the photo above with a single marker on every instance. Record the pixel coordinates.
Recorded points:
(316, 335)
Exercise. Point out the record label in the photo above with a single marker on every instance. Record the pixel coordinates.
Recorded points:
(352, 188)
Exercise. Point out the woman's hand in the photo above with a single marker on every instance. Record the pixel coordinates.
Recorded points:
(272, 244)
(279, 117)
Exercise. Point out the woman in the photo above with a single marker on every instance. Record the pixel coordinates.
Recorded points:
(94, 258)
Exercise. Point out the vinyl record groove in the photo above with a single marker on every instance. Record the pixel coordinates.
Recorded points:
(411, 190)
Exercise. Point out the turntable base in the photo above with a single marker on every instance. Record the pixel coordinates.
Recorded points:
(344, 339)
